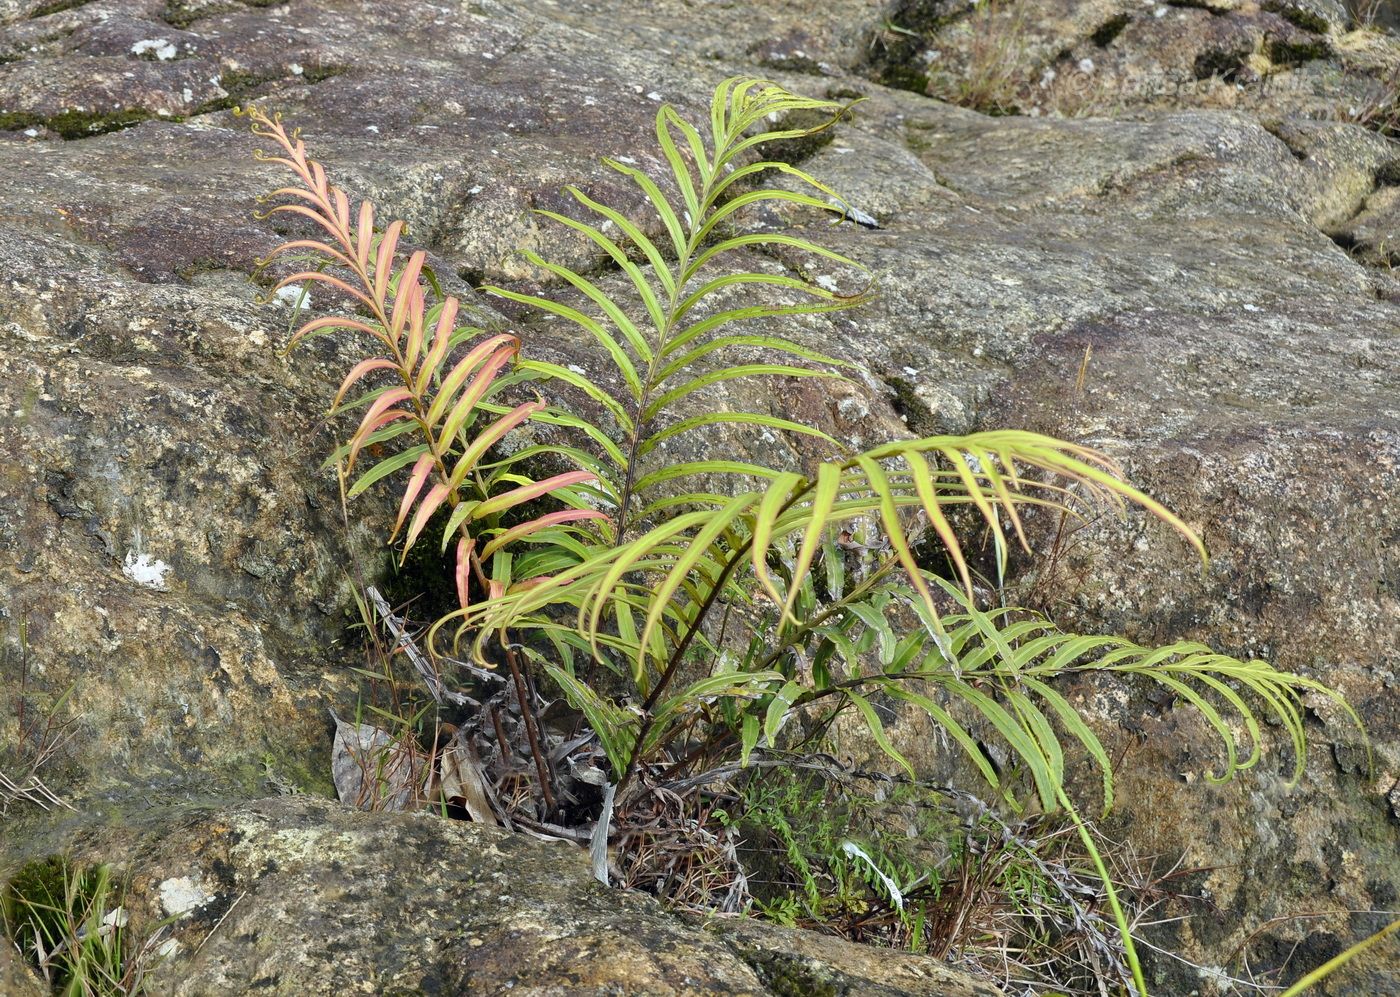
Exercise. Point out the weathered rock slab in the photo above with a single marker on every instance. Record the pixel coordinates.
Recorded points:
(296, 895)
(16, 980)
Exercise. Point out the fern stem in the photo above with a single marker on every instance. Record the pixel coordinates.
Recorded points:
(641, 427)
(674, 663)
(1119, 918)
(738, 556)
(527, 714)
(807, 626)
(625, 502)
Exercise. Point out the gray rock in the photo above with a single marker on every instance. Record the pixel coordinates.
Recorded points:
(304, 896)
(15, 978)
(1373, 233)
(1315, 15)
(1113, 57)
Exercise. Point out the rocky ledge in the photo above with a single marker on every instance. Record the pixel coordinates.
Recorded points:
(298, 895)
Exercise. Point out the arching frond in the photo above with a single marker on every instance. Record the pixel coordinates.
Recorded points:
(990, 474)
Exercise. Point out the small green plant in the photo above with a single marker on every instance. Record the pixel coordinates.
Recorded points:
(909, 866)
(991, 80)
(70, 923)
(825, 853)
(618, 579)
(40, 737)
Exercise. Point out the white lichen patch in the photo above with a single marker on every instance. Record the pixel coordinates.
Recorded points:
(294, 297)
(852, 409)
(159, 47)
(290, 846)
(144, 569)
(181, 894)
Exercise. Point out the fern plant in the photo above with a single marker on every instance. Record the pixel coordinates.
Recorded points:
(628, 562)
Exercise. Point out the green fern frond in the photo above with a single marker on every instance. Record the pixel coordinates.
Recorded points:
(1002, 672)
(678, 354)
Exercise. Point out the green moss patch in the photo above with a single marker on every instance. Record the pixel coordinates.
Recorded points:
(75, 124)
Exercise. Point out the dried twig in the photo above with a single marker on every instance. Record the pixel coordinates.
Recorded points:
(527, 713)
(404, 642)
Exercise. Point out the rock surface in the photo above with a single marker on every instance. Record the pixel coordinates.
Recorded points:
(303, 896)
(15, 977)
(178, 560)
(1273, 58)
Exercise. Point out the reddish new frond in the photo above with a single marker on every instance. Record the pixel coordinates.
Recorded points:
(416, 479)
(440, 396)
